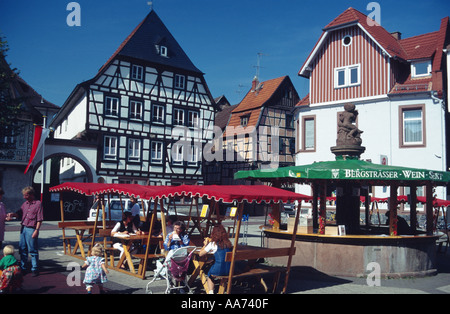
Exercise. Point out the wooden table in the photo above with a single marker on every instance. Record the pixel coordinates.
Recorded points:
(80, 228)
(127, 242)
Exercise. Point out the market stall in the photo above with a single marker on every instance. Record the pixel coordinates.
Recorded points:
(213, 195)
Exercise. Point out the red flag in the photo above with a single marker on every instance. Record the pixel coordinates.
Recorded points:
(36, 140)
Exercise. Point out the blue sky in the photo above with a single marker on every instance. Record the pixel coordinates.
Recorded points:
(222, 38)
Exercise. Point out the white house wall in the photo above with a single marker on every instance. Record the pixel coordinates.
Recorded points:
(379, 120)
(75, 121)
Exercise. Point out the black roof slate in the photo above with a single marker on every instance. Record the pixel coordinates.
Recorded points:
(143, 44)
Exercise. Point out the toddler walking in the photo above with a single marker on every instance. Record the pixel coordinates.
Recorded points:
(95, 269)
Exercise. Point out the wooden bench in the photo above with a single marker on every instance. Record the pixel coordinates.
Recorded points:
(67, 244)
(251, 255)
(109, 255)
(150, 256)
(257, 272)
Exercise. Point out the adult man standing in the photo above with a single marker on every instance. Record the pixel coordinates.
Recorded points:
(31, 215)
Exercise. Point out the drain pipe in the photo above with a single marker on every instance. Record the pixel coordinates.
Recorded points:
(443, 133)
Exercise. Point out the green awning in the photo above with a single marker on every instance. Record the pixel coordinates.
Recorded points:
(349, 169)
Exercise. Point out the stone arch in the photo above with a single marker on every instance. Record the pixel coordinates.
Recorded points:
(82, 162)
(74, 206)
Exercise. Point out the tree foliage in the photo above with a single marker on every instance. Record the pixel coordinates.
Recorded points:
(10, 104)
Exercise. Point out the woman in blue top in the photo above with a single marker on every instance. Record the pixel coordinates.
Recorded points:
(219, 245)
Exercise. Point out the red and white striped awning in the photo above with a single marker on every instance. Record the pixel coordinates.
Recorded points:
(225, 193)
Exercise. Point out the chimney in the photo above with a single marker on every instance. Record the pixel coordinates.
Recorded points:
(255, 83)
(397, 35)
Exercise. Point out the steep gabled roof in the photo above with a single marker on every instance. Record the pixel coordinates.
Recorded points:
(385, 39)
(144, 43)
(255, 100)
(351, 17)
(428, 45)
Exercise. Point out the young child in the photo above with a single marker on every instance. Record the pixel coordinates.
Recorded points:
(11, 277)
(96, 270)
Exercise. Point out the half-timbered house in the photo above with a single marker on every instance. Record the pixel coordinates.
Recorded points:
(396, 84)
(260, 130)
(148, 109)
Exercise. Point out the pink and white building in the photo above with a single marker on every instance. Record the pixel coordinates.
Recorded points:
(399, 87)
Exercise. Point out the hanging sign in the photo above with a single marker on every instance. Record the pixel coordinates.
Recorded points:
(204, 211)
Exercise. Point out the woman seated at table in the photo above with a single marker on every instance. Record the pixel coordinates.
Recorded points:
(178, 238)
(125, 226)
(219, 245)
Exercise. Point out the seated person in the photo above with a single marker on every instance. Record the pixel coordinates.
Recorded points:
(219, 245)
(170, 221)
(178, 238)
(402, 225)
(135, 211)
(125, 226)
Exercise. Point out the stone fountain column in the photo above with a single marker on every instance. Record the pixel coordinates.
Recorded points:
(348, 145)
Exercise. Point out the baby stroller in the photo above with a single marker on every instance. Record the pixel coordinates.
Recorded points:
(174, 270)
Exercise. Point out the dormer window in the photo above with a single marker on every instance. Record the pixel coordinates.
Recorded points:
(163, 51)
(421, 68)
(244, 120)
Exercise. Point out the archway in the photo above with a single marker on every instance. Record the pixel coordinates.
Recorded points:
(59, 168)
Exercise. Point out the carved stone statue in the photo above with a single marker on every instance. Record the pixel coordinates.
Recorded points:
(348, 140)
(348, 133)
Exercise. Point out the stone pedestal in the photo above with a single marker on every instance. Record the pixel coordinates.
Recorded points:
(348, 150)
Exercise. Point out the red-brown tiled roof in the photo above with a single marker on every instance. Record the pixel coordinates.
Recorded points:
(256, 99)
(303, 102)
(413, 85)
(422, 46)
(235, 122)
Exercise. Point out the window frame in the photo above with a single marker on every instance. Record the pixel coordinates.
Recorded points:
(107, 147)
(194, 156)
(132, 115)
(177, 121)
(137, 72)
(413, 68)
(160, 150)
(131, 151)
(180, 81)
(402, 129)
(178, 156)
(163, 51)
(190, 122)
(109, 110)
(303, 147)
(159, 117)
(347, 76)
(244, 120)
